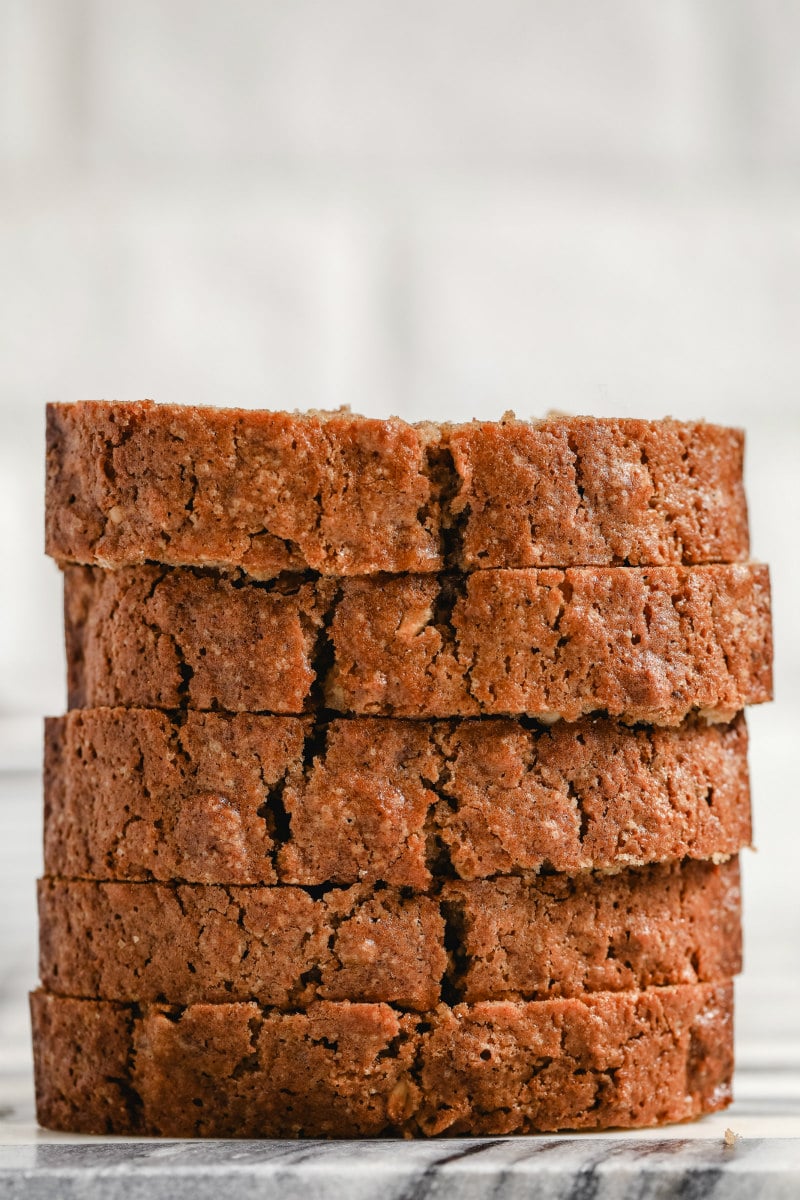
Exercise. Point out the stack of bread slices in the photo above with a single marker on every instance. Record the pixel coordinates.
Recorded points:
(404, 773)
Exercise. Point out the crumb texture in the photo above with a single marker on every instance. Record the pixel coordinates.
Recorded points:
(136, 794)
(164, 638)
(642, 645)
(361, 1070)
(509, 938)
(341, 494)
(281, 946)
(404, 775)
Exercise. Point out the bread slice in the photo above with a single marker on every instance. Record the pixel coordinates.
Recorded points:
(644, 645)
(347, 495)
(625, 1059)
(165, 638)
(528, 938)
(136, 794)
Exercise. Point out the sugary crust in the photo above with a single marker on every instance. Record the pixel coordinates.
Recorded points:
(346, 1070)
(133, 794)
(508, 938)
(347, 495)
(648, 645)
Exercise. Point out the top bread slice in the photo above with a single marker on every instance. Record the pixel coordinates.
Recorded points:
(267, 492)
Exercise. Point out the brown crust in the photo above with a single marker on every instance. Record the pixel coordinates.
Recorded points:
(520, 939)
(575, 490)
(510, 938)
(347, 495)
(346, 1070)
(184, 943)
(218, 798)
(163, 638)
(649, 644)
(646, 645)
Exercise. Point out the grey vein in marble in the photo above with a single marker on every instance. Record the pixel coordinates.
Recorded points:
(565, 1168)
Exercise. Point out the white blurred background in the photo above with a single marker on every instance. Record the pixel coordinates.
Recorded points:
(432, 208)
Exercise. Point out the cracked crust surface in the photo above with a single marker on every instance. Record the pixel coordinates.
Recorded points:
(166, 638)
(648, 645)
(346, 1070)
(279, 945)
(219, 798)
(517, 938)
(347, 495)
(508, 938)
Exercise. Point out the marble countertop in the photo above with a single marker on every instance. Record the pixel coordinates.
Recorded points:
(763, 1163)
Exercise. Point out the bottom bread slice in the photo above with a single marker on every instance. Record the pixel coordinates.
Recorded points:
(343, 1070)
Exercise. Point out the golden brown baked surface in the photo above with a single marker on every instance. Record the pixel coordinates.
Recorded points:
(220, 798)
(130, 482)
(649, 645)
(344, 1070)
(405, 773)
(509, 938)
